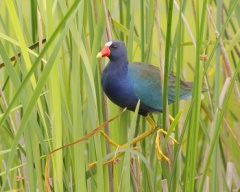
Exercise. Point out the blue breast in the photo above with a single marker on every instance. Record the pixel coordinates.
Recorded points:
(119, 88)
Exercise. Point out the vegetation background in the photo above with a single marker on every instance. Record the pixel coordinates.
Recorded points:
(51, 94)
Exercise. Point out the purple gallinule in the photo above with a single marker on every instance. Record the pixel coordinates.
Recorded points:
(126, 82)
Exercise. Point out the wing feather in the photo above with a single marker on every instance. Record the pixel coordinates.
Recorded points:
(147, 85)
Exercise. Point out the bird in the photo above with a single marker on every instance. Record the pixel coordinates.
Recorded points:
(125, 83)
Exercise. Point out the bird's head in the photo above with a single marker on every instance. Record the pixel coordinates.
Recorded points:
(114, 50)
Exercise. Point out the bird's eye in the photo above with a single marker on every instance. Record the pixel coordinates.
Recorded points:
(114, 46)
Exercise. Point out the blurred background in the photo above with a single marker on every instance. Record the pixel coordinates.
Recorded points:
(50, 95)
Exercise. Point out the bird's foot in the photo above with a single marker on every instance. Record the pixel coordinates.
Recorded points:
(160, 154)
(115, 160)
(109, 139)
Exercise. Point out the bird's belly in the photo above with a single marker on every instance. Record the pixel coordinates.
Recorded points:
(123, 100)
(120, 92)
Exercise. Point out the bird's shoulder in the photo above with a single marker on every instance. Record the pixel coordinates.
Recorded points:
(144, 76)
(143, 67)
(141, 70)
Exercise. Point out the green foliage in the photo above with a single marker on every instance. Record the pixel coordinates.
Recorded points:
(51, 95)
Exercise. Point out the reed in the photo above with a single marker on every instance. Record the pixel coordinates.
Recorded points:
(51, 96)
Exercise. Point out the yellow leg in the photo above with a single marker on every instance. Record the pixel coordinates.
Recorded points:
(117, 154)
(159, 152)
(171, 118)
(114, 159)
(135, 140)
(153, 125)
(109, 139)
(145, 134)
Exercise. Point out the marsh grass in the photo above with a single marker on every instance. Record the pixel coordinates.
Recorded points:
(51, 96)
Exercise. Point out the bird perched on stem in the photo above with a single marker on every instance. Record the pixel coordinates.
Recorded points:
(126, 82)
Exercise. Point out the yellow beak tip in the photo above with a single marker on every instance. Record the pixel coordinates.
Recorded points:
(99, 55)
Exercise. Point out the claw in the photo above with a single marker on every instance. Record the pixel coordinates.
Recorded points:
(165, 133)
(109, 139)
(159, 152)
(92, 164)
(160, 155)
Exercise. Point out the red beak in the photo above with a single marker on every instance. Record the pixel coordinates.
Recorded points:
(104, 52)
